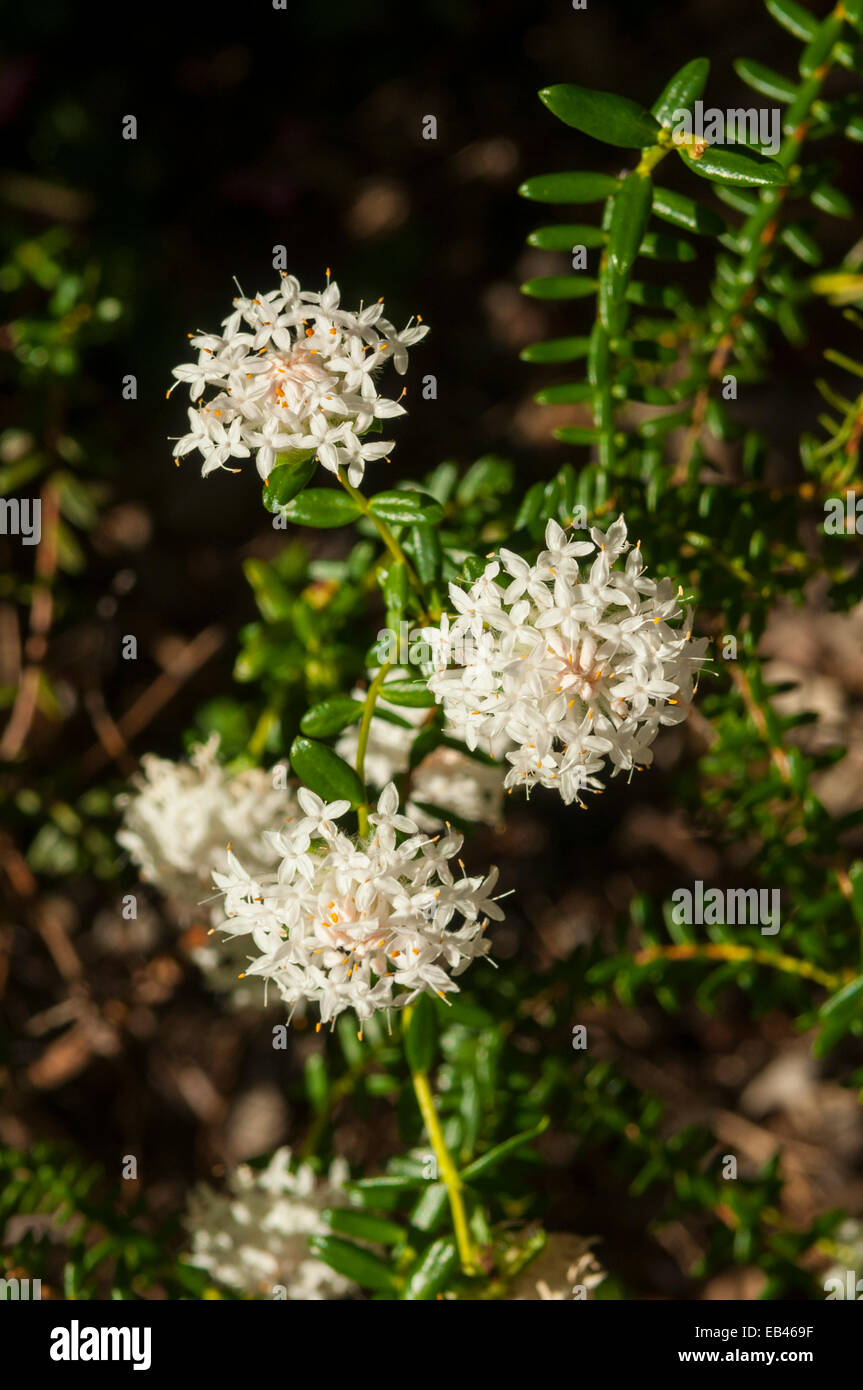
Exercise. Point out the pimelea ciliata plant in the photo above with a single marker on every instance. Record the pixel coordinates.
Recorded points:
(466, 648)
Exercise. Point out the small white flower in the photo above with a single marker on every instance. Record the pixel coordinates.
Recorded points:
(584, 666)
(358, 924)
(254, 1237)
(180, 818)
(180, 821)
(293, 373)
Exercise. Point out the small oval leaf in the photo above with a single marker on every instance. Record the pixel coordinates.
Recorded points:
(331, 716)
(737, 166)
(568, 188)
(415, 694)
(560, 287)
(406, 507)
(322, 507)
(287, 478)
(681, 91)
(324, 772)
(685, 213)
(421, 1035)
(604, 115)
(355, 1263)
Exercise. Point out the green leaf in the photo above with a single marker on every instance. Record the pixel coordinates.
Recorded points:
(287, 479)
(738, 199)
(429, 1276)
(456, 1009)
(681, 91)
(556, 350)
(323, 507)
(566, 236)
(658, 246)
(325, 773)
(804, 246)
(684, 212)
(829, 199)
(849, 995)
(423, 544)
(414, 694)
(428, 1210)
(395, 586)
(421, 1035)
(560, 287)
(77, 501)
(645, 350)
(736, 165)
(15, 475)
(630, 210)
(273, 597)
(854, 12)
(817, 51)
(794, 18)
(615, 120)
(568, 188)
(406, 507)
(663, 424)
(354, 1263)
(764, 80)
(386, 1191)
(441, 481)
(577, 434)
(653, 296)
(331, 716)
(489, 476)
(317, 1081)
(531, 506)
(363, 1225)
(568, 393)
(496, 1155)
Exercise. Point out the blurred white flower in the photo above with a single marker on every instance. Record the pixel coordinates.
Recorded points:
(178, 823)
(358, 924)
(470, 790)
(180, 818)
(293, 373)
(574, 666)
(254, 1236)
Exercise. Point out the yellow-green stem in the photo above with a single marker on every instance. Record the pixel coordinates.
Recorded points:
(386, 536)
(363, 741)
(789, 965)
(447, 1170)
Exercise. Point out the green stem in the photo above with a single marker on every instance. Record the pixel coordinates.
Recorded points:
(363, 741)
(758, 232)
(258, 741)
(446, 1169)
(777, 960)
(386, 536)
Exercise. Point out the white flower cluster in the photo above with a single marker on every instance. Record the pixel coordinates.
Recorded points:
(180, 818)
(565, 666)
(293, 372)
(358, 924)
(254, 1237)
(470, 790)
(178, 823)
